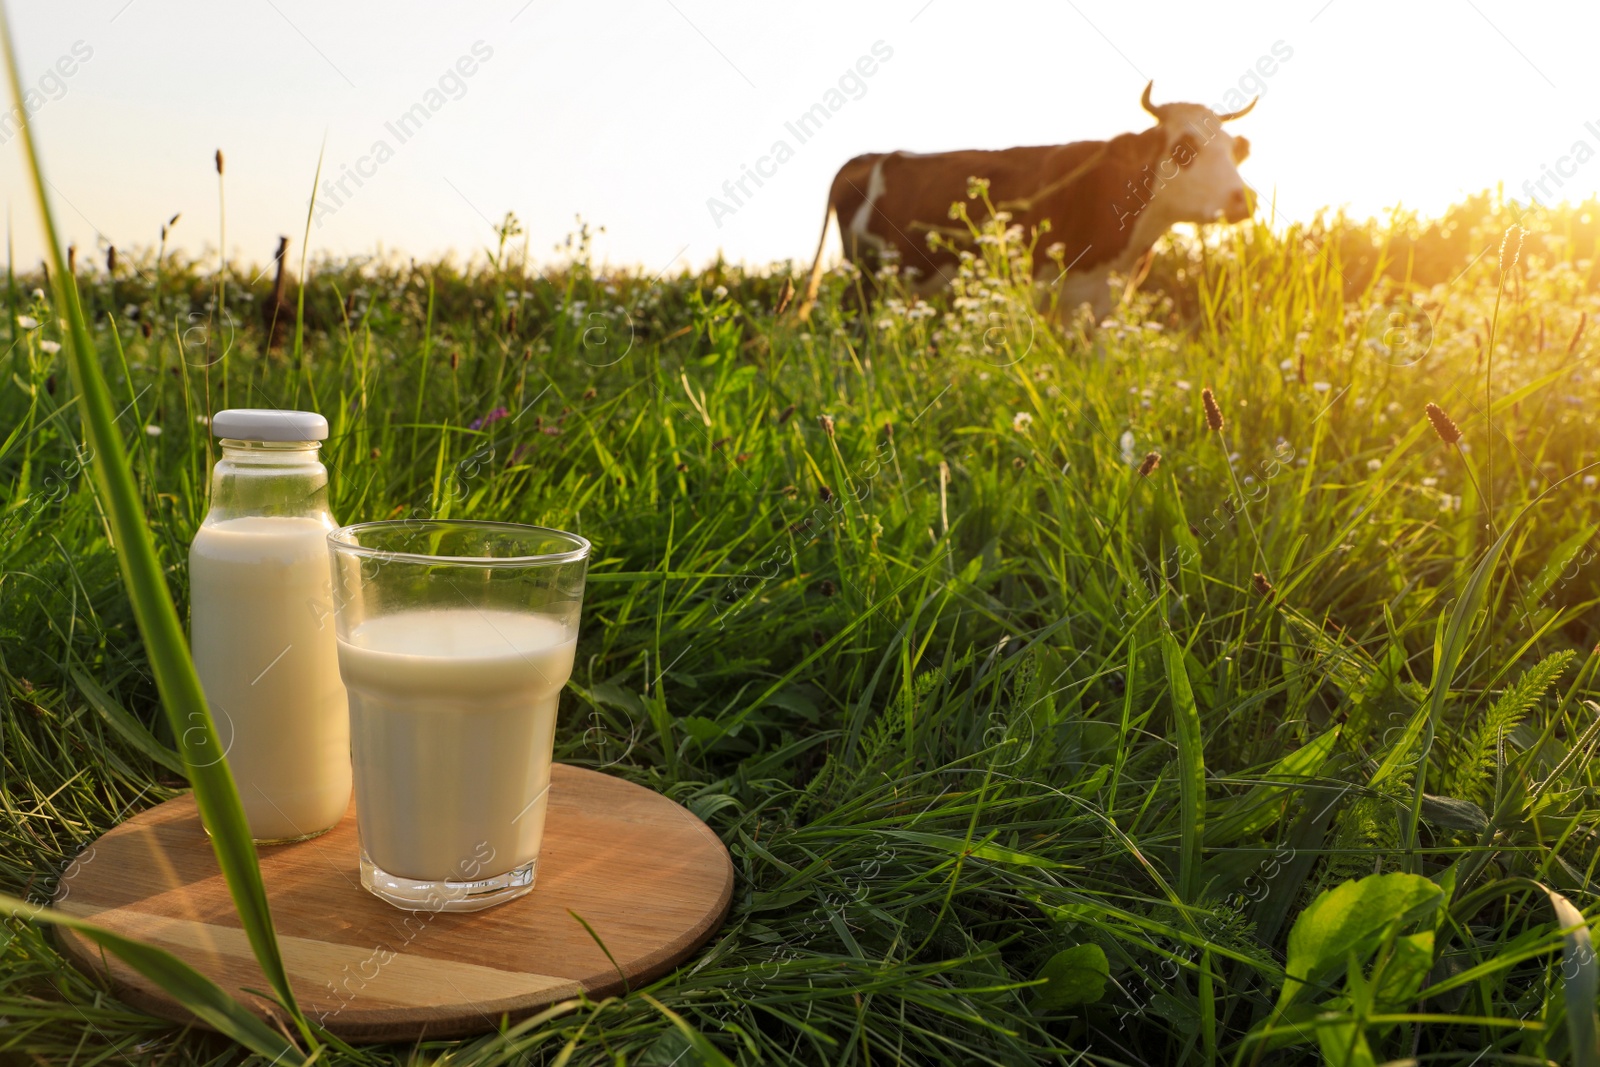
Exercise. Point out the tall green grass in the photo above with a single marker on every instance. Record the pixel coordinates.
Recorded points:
(167, 651)
(1018, 760)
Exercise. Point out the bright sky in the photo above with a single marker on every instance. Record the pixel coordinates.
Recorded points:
(634, 114)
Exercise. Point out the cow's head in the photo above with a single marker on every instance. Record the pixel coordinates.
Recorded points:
(1198, 165)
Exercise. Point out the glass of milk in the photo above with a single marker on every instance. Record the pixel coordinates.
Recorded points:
(455, 639)
(263, 643)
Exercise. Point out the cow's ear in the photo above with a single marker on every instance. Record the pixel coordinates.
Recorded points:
(1241, 149)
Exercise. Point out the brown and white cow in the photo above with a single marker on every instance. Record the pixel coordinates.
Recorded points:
(1107, 201)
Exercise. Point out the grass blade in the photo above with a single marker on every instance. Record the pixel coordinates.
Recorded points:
(704, 1049)
(209, 1002)
(1191, 766)
(131, 729)
(157, 617)
(1449, 649)
(1580, 981)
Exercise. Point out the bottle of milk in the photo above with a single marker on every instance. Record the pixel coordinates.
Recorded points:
(261, 626)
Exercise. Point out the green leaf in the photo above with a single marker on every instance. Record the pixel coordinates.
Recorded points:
(1191, 766)
(1076, 975)
(1453, 813)
(701, 729)
(981, 850)
(131, 729)
(611, 695)
(1404, 972)
(792, 699)
(1351, 918)
(1258, 808)
(1479, 750)
(207, 1000)
(1344, 1045)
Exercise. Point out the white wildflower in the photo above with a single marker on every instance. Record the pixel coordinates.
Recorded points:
(1021, 421)
(153, 431)
(1374, 464)
(1183, 385)
(51, 347)
(27, 322)
(1590, 481)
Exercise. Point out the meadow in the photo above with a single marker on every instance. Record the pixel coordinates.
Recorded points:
(1168, 690)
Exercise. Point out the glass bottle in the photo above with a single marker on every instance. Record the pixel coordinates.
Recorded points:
(261, 626)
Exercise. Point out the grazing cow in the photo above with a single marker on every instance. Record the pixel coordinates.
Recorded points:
(1107, 201)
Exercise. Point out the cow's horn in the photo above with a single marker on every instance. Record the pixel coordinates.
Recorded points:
(1241, 113)
(1145, 99)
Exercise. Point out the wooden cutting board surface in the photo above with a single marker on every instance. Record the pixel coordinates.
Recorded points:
(652, 881)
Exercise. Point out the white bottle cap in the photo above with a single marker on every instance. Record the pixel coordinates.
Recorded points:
(269, 424)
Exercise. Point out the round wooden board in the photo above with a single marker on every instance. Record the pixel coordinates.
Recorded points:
(652, 881)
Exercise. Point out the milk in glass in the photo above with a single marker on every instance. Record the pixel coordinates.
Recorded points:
(452, 714)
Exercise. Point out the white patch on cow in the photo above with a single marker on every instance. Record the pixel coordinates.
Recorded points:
(1153, 221)
(876, 187)
(1093, 286)
(1210, 187)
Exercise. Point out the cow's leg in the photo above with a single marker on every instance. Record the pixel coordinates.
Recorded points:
(1102, 303)
(864, 293)
(1140, 271)
(1089, 287)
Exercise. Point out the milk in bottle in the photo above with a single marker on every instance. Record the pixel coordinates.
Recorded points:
(261, 623)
